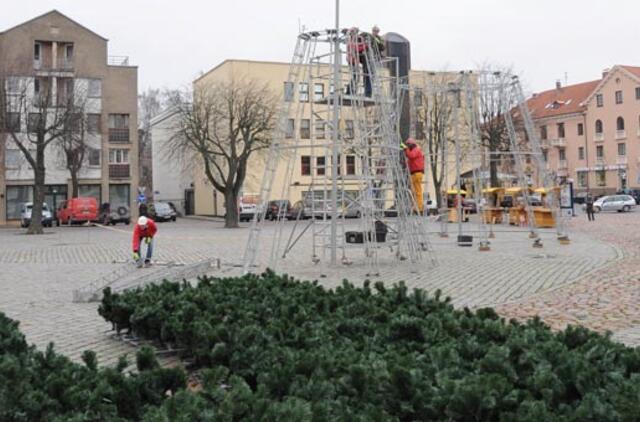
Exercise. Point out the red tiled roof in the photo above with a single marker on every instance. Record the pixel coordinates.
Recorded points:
(565, 100)
(633, 69)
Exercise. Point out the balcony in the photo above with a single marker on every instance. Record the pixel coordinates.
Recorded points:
(544, 143)
(119, 171)
(559, 142)
(119, 136)
(599, 137)
(621, 160)
(562, 165)
(621, 134)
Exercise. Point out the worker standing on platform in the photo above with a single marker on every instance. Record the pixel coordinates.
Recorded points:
(376, 43)
(355, 49)
(415, 162)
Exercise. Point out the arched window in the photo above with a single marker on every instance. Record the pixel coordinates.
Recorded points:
(598, 126)
(620, 123)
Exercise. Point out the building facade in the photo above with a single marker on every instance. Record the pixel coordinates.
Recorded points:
(302, 123)
(54, 54)
(590, 131)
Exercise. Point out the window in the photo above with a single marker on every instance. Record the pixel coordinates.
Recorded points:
(562, 154)
(599, 100)
(16, 196)
(598, 126)
(348, 130)
(618, 97)
(545, 155)
(13, 85)
(305, 129)
(320, 129)
(303, 93)
(305, 165)
(68, 51)
(638, 93)
(290, 129)
(33, 122)
(74, 123)
(420, 130)
(320, 166)
(94, 90)
(13, 122)
(119, 196)
(351, 165)
(92, 191)
(93, 157)
(601, 177)
(288, 91)
(581, 153)
(622, 150)
(600, 152)
(582, 179)
(560, 130)
(318, 91)
(417, 97)
(118, 156)
(543, 132)
(620, 123)
(12, 158)
(93, 123)
(580, 129)
(118, 121)
(37, 51)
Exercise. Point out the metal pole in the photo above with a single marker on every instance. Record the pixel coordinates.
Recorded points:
(456, 136)
(335, 138)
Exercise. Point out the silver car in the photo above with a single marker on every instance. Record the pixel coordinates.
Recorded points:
(25, 215)
(620, 203)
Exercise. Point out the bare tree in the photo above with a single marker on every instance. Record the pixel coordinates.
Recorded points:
(150, 103)
(47, 118)
(223, 125)
(492, 107)
(72, 145)
(436, 119)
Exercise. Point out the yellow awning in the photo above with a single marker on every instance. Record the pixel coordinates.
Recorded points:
(545, 190)
(514, 190)
(492, 190)
(455, 192)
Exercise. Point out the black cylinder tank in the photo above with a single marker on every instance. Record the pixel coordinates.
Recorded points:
(400, 47)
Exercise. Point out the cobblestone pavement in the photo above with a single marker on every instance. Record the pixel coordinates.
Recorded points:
(39, 273)
(605, 300)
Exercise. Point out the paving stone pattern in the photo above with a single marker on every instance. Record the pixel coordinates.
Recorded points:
(39, 273)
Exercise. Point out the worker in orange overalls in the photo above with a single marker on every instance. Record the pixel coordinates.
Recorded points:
(415, 162)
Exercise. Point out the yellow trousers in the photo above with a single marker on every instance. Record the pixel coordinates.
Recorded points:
(416, 182)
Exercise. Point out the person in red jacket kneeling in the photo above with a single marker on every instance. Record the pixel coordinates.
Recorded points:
(144, 231)
(415, 162)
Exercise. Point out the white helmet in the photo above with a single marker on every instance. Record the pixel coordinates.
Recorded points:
(142, 221)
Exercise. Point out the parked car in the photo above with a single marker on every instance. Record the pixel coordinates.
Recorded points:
(635, 193)
(620, 203)
(25, 215)
(77, 210)
(161, 211)
(580, 198)
(299, 211)
(247, 211)
(120, 214)
(350, 209)
(278, 209)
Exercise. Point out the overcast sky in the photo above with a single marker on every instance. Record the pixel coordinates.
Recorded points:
(172, 41)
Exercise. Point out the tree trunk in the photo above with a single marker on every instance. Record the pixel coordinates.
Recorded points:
(38, 193)
(74, 184)
(437, 185)
(493, 172)
(231, 206)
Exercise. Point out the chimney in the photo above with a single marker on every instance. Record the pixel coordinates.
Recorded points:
(558, 84)
(605, 72)
(534, 95)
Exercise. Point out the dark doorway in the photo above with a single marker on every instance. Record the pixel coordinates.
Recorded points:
(54, 196)
(189, 202)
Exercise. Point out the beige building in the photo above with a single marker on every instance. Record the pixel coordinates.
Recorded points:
(274, 74)
(53, 52)
(590, 131)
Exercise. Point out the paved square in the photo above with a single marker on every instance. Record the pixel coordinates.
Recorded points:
(593, 281)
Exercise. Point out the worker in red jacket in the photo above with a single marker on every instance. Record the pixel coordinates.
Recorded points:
(144, 231)
(415, 162)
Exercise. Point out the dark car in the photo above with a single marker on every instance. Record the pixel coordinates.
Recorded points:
(161, 211)
(278, 209)
(118, 214)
